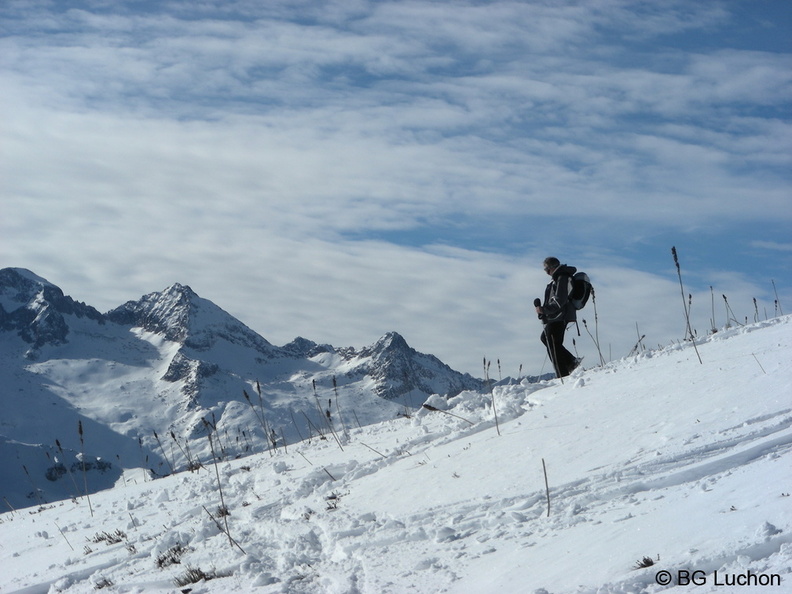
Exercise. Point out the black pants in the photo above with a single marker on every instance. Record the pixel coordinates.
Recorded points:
(553, 339)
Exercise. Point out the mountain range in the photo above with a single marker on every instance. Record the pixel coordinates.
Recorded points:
(145, 385)
(666, 469)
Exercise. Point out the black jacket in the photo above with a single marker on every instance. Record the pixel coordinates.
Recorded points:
(556, 306)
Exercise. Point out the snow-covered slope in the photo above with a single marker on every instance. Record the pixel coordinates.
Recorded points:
(655, 459)
(146, 378)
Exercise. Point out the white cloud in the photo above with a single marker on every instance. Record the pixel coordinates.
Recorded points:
(772, 245)
(238, 147)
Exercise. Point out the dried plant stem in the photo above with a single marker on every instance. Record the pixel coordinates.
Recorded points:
(85, 471)
(445, 412)
(63, 535)
(143, 459)
(191, 464)
(492, 393)
(547, 487)
(325, 417)
(71, 475)
(595, 341)
(32, 484)
(224, 530)
(260, 418)
(223, 454)
(294, 421)
(224, 509)
(268, 431)
(338, 408)
(638, 345)
(729, 313)
(162, 449)
(778, 302)
(596, 326)
(311, 425)
(684, 304)
(373, 450)
(354, 414)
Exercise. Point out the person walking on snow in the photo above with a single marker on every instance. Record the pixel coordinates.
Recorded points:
(556, 312)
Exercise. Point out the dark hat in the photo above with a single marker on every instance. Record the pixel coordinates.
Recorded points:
(550, 263)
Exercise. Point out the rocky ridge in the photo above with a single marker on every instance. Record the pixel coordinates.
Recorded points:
(175, 364)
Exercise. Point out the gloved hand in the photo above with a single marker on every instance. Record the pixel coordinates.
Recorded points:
(539, 310)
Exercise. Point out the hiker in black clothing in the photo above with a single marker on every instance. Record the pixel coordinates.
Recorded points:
(556, 312)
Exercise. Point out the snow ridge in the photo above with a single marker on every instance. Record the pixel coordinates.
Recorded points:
(657, 457)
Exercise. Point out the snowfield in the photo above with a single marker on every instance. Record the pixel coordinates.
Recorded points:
(656, 460)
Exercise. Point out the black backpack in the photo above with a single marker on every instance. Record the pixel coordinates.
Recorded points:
(581, 290)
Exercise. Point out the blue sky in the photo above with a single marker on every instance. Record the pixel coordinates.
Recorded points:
(341, 169)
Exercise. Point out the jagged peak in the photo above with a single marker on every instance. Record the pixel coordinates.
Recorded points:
(399, 369)
(179, 290)
(393, 338)
(23, 286)
(25, 275)
(176, 296)
(300, 345)
(35, 308)
(27, 289)
(391, 341)
(181, 315)
(388, 346)
(167, 311)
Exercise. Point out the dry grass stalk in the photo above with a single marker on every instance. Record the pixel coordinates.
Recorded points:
(85, 471)
(684, 304)
(492, 393)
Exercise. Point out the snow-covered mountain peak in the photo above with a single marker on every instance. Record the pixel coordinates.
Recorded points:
(37, 310)
(390, 344)
(304, 348)
(166, 312)
(400, 369)
(391, 341)
(179, 294)
(22, 276)
(19, 286)
(181, 316)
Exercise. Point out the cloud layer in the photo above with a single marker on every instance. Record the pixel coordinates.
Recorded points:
(342, 169)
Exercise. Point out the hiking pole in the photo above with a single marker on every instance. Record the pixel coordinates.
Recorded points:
(555, 355)
(548, 339)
